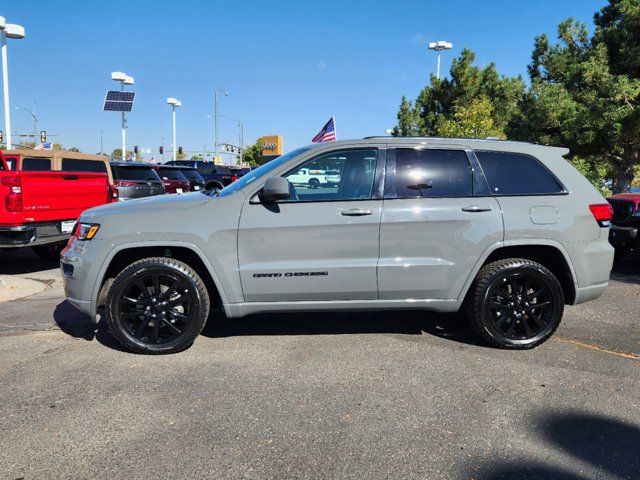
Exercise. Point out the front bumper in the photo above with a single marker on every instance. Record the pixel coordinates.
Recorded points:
(79, 264)
(31, 235)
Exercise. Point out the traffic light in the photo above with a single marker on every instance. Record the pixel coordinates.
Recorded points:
(135, 149)
(179, 150)
(43, 136)
(161, 149)
(1, 136)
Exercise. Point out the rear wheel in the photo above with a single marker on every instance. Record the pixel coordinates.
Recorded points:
(515, 303)
(157, 305)
(50, 252)
(314, 183)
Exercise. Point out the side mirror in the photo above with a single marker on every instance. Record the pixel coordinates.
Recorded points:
(275, 188)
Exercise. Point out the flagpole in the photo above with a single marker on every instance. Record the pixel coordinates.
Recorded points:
(335, 130)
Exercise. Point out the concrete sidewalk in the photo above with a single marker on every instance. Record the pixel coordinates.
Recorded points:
(13, 287)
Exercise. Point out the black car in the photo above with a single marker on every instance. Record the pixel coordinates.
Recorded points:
(195, 179)
(215, 176)
(136, 180)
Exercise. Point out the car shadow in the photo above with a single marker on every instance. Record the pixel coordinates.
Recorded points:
(78, 325)
(23, 260)
(609, 445)
(452, 326)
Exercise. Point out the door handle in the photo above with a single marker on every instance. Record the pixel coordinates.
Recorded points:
(356, 212)
(477, 208)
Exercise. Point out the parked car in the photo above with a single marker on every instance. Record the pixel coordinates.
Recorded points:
(215, 176)
(312, 178)
(59, 160)
(418, 223)
(173, 179)
(38, 209)
(625, 222)
(136, 180)
(195, 179)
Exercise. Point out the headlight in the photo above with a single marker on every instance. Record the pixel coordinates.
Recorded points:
(86, 231)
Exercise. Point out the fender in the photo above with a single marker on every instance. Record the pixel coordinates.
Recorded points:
(156, 243)
(516, 243)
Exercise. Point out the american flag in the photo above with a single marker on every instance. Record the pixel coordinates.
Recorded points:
(327, 134)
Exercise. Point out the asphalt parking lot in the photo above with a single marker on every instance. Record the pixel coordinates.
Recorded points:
(357, 395)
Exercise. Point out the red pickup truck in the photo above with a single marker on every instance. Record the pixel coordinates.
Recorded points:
(39, 208)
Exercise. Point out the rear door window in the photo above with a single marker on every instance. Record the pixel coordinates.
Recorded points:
(510, 173)
(79, 165)
(432, 173)
(34, 164)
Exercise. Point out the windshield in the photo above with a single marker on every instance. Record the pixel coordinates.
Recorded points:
(264, 170)
(193, 175)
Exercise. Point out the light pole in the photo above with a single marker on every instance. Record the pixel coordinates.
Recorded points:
(215, 120)
(438, 47)
(240, 132)
(174, 103)
(124, 79)
(101, 150)
(35, 121)
(7, 30)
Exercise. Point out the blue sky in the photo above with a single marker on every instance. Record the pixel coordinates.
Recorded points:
(287, 65)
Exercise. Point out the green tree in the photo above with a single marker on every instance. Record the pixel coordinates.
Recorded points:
(117, 155)
(197, 156)
(74, 149)
(585, 93)
(468, 90)
(470, 120)
(252, 155)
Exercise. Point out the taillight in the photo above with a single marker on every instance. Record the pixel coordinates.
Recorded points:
(13, 201)
(602, 212)
(234, 178)
(126, 183)
(112, 194)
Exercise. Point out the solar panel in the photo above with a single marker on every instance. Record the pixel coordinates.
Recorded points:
(117, 106)
(120, 96)
(118, 101)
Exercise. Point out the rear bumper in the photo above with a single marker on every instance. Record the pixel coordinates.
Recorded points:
(622, 236)
(584, 294)
(31, 235)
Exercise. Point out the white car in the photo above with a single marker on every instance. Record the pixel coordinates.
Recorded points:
(308, 177)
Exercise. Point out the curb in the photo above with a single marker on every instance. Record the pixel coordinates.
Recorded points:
(13, 288)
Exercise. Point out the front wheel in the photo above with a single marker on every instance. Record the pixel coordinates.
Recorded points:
(314, 183)
(157, 305)
(515, 303)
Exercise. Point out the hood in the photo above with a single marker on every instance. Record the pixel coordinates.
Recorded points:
(154, 204)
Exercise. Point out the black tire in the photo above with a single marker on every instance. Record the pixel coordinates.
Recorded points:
(145, 321)
(314, 183)
(212, 185)
(502, 303)
(50, 252)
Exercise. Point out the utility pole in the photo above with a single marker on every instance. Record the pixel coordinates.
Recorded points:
(101, 149)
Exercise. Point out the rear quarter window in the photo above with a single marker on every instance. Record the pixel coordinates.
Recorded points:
(510, 173)
(79, 165)
(32, 164)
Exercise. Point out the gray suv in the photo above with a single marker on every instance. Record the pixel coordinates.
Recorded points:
(508, 232)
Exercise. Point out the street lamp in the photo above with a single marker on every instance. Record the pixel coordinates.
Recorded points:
(215, 120)
(438, 47)
(35, 121)
(7, 30)
(174, 103)
(124, 79)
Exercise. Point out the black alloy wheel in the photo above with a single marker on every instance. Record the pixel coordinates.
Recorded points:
(516, 303)
(157, 305)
